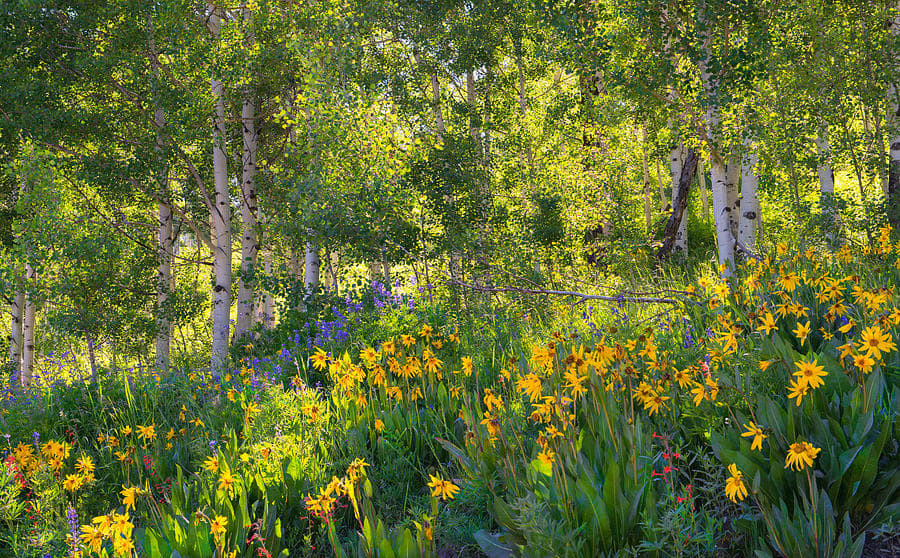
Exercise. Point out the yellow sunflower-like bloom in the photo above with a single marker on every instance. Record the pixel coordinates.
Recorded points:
(735, 488)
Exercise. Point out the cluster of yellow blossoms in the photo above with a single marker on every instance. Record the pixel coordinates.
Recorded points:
(115, 527)
(322, 504)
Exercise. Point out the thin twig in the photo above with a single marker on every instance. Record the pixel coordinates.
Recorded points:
(582, 296)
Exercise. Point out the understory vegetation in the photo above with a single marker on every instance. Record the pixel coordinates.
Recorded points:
(759, 416)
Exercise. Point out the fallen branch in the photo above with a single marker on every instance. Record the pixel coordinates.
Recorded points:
(620, 298)
(688, 170)
(747, 251)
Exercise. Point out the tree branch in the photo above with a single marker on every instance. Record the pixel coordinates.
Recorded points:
(620, 298)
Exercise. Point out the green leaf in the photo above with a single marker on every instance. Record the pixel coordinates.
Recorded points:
(539, 466)
(406, 545)
(491, 545)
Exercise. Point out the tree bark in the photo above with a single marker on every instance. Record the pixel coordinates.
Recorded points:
(749, 204)
(28, 327)
(645, 165)
(663, 201)
(686, 172)
(825, 173)
(823, 162)
(334, 261)
(249, 224)
(721, 210)
(221, 220)
(311, 269)
(164, 238)
(676, 163)
(523, 108)
(713, 120)
(15, 330)
(880, 151)
(163, 285)
(385, 268)
(474, 130)
(440, 130)
(164, 264)
(296, 265)
(704, 196)
(92, 359)
(893, 119)
(267, 313)
(732, 176)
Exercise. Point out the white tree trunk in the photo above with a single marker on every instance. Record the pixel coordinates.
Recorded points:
(15, 330)
(296, 264)
(164, 258)
(825, 172)
(28, 329)
(268, 307)
(663, 201)
(676, 161)
(732, 177)
(385, 268)
(893, 125)
(881, 152)
(823, 162)
(435, 100)
(523, 110)
(311, 268)
(163, 286)
(334, 263)
(749, 204)
(718, 174)
(701, 175)
(470, 101)
(221, 220)
(645, 165)
(721, 210)
(249, 243)
(164, 240)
